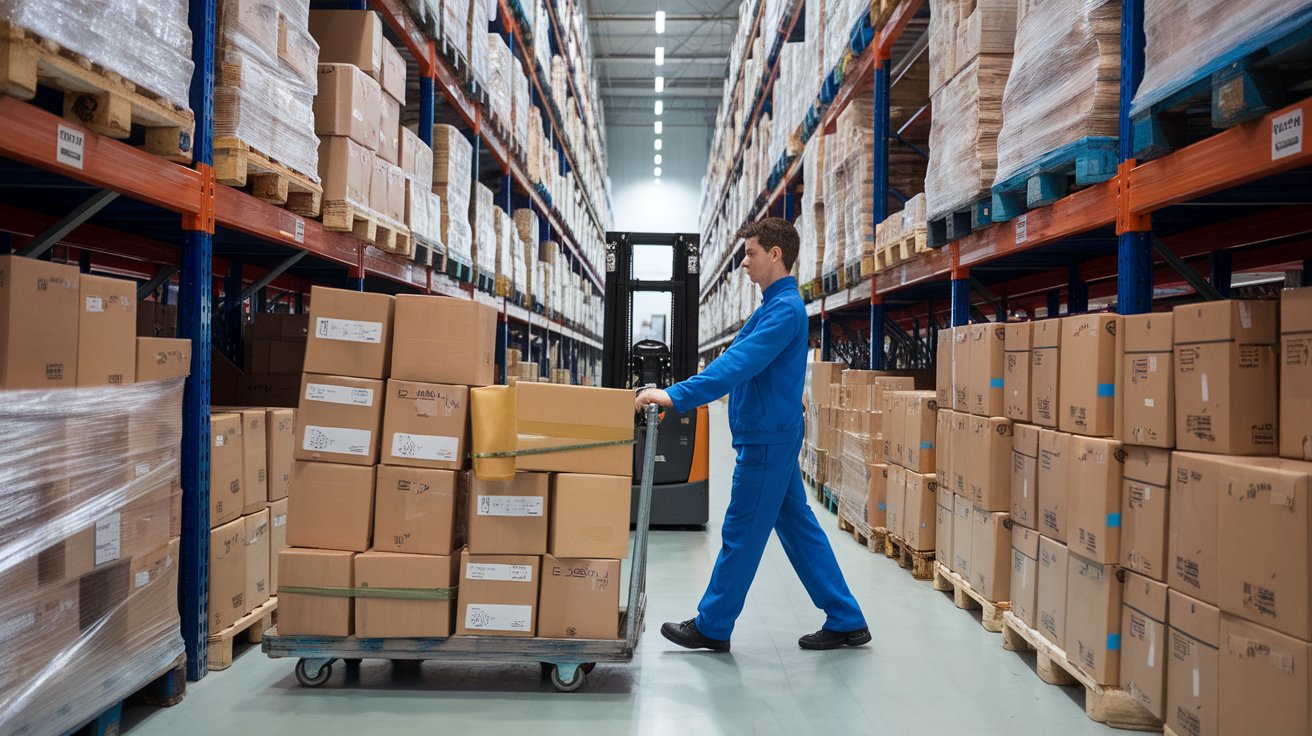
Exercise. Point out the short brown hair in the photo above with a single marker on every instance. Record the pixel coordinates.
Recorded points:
(774, 232)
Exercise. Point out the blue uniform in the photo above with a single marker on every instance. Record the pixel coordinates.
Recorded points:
(764, 372)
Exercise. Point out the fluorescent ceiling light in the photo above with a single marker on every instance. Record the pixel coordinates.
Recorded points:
(657, 160)
(660, 84)
(658, 144)
(657, 171)
(660, 106)
(660, 21)
(659, 127)
(660, 56)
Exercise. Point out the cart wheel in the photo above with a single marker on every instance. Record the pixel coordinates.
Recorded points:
(568, 685)
(313, 672)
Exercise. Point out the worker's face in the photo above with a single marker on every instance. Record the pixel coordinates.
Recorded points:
(758, 262)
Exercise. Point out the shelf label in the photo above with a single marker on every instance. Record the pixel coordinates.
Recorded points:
(1287, 134)
(425, 447)
(345, 395)
(498, 572)
(300, 230)
(347, 330)
(69, 147)
(510, 506)
(1022, 229)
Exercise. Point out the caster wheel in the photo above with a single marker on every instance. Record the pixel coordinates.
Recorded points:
(309, 677)
(568, 686)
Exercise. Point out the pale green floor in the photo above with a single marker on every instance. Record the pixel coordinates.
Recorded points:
(931, 669)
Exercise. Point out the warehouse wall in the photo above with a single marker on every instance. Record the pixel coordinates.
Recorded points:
(641, 203)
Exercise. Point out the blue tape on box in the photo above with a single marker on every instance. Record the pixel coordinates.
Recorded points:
(1113, 642)
(883, 506)
(926, 445)
(1113, 520)
(995, 383)
(1106, 389)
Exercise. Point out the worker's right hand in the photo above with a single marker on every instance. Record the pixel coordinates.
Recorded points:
(652, 396)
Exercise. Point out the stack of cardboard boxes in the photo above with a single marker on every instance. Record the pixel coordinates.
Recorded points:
(910, 447)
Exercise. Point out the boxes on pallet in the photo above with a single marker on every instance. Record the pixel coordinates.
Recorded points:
(509, 516)
(1017, 360)
(338, 419)
(331, 506)
(961, 453)
(1045, 373)
(430, 582)
(106, 351)
(963, 527)
(960, 31)
(961, 372)
(227, 498)
(1025, 475)
(990, 553)
(39, 310)
(346, 105)
(425, 425)
(895, 495)
(277, 539)
(944, 525)
(498, 595)
(876, 478)
(350, 333)
(1143, 626)
(1193, 670)
(346, 169)
(1093, 619)
(1192, 557)
(988, 462)
(161, 358)
(1146, 410)
(919, 521)
(1296, 374)
(1054, 574)
(943, 446)
(1093, 498)
(963, 144)
(1055, 450)
(307, 580)
(227, 574)
(1264, 680)
(254, 459)
(1025, 574)
(416, 158)
(452, 174)
(579, 598)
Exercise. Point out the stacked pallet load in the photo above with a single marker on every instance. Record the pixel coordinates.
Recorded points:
(499, 60)
(530, 251)
(854, 125)
(452, 182)
(812, 228)
(970, 53)
(521, 105)
(910, 426)
(1061, 104)
(487, 247)
(901, 237)
(479, 62)
(90, 501)
(455, 33)
(423, 206)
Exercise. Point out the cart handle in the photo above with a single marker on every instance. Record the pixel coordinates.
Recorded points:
(638, 575)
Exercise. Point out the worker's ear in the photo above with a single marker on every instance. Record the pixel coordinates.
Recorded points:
(776, 253)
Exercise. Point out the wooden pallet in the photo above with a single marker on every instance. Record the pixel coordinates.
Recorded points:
(253, 625)
(94, 97)
(166, 689)
(1054, 174)
(236, 164)
(966, 599)
(874, 541)
(921, 564)
(959, 222)
(371, 227)
(912, 244)
(1112, 706)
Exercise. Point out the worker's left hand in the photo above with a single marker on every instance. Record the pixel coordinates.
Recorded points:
(652, 396)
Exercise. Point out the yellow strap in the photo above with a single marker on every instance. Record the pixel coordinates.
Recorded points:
(574, 431)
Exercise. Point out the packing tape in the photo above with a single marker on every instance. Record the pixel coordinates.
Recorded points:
(404, 594)
(1106, 390)
(1113, 642)
(573, 431)
(995, 383)
(1113, 520)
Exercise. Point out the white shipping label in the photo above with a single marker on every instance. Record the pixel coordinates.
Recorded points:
(299, 235)
(108, 539)
(510, 505)
(279, 520)
(1148, 403)
(142, 579)
(345, 395)
(1286, 135)
(347, 330)
(95, 304)
(1152, 364)
(1245, 315)
(340, 440)
(1206, 396)
(1152, 645)
(496, 572)
(69, 147)
(218, 440)
(1198, 689)
(143, 469)
(1022, 229)
(498, 617)
(425, 447)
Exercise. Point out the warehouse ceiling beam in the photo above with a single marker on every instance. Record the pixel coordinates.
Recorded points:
(56, 232)
(161, 278)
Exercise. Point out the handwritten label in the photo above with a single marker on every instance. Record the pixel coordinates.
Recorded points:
(498, 617)
(341, 440)
(108, 539)
(346, 330)
(1287, 135)
(95, 304)
(70, 147)
(425, 447)
(498, 572)
(510, 505)
(345, 395)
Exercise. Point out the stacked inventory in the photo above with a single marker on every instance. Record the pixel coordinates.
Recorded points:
(423, 206)
(909, 440)
(902, 235)
(452, 179)
(499, 60)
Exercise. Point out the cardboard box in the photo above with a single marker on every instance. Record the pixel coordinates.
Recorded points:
(822, 376)
(1088, 375)
(426, 425)
(254, 459)
(580, 598)
(1265, 574)
(1225, 377)
(227, 498)
(227, 574)
(432, 576)
(894, 435)
(919, 527)
(331, 506)
(152, 602)
(1194, 669)
(280, 448)
(509, 517)
(961, 369)
(498, 595)
(443, 340)
(346, 105)
(963, 528)
(304, 613)
(39, 311)
(1093, 619)
(1296, 374)
(1143, 629)
(135, 528)
(346, 171)
(895, 500)
(589, 516)
(943, 447)
(960, 449)
(943, 368)
(258, 548)
(943, 536)
(351, 333)
(1017, 360)
(417, 161)
(161, 358)
(1193, 525)
(1264, 683)
(393, 78)
(1045, 373)
(338, 419)
(389, 135)
(1144, 505)
(419, 510)
(277, 539)
(988, 464)
(267, 390)
(349, 37)
(987, 365)
(1025, 475)
(379, 196)
(106, 331)
(919, 426)
(1053, 478)
(1025, 574)
(1148, 380)
(1093, 510)
(1054, 572)
(533, 416)
(877, 494)
(990, 553)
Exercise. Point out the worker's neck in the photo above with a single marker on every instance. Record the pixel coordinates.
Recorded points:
(771, 279)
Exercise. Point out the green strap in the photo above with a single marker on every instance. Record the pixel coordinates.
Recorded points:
(547, 450)
(403, 594)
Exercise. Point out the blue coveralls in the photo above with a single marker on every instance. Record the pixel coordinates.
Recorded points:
(764, 371)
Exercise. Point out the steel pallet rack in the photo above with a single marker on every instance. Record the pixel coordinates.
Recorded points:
(182, 235)
(1227, 200)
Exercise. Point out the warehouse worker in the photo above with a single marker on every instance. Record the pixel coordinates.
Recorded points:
(763, 372)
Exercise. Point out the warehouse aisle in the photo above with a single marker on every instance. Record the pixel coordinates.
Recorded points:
(931, 669)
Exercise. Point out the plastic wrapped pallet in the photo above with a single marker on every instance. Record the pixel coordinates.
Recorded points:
(962, 30)
(88, 552)
(1064, 84)
(478, 52)
(542, 41)
(506, 239)
(520, 104)
(455, 25)
(499, 62)
(452, 174)
(482, 216)
(963, 136)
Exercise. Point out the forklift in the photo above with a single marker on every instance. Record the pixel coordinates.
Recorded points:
(680, 496)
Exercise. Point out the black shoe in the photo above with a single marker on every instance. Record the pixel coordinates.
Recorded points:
(686, 635)
(826, 639)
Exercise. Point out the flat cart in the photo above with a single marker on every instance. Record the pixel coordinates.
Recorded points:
(568, 661)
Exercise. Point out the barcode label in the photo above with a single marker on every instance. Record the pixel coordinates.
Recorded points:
(510, 505)
(340, 440)
(345, 395)
(425, 447)
(498, 617)
(348, 330)
(500, 573)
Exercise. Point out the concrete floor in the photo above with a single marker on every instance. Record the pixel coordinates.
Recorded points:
(932, 669)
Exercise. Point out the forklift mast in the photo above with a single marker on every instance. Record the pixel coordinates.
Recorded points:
(684, 285)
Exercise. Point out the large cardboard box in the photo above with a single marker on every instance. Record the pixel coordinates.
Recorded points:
(919, 527)
(580, 598)
(106, 331)
(1025, 475)
(1054, 572)
(961, 369)
(254, 459)
(346, 171)
(1093, 512)
(1194, 669)
(280, 449)
(277, 539)
(1017, 363)
(988, 464)
(960, 448)
(350, 333)
(990, 553)
(338, 419)
(877, 494)
(1143, 631)
(1045, 373)
(919, 453)
(160, 358)
(39, 309)
(419, 510)
(258, 548)
(895, 499)
(349, 37)
(943, 368)
(987, 364)
(1296, 374)
(132, 529)
(963, 527)
(943, 447)
(537, 416)
(1145, 499)
(589, 516)
(823, 375)
(1225, 377)
(1025, 574)
(444, 340)
(509, 517)
(227, 574)
(1148, 380)
(894, 434)
(432, 580)
(308, 571)
(1087, 393)
(1193, 524)
(1093, 619)
(1265, 686)
(346, 104)
(1053, 478)
(943, 534)
(426, 425)
(389, 133)
(393, 78)
(498, 595)
(331, 506)
(226, 471)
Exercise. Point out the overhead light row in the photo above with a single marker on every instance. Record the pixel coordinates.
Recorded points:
(660, 104)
